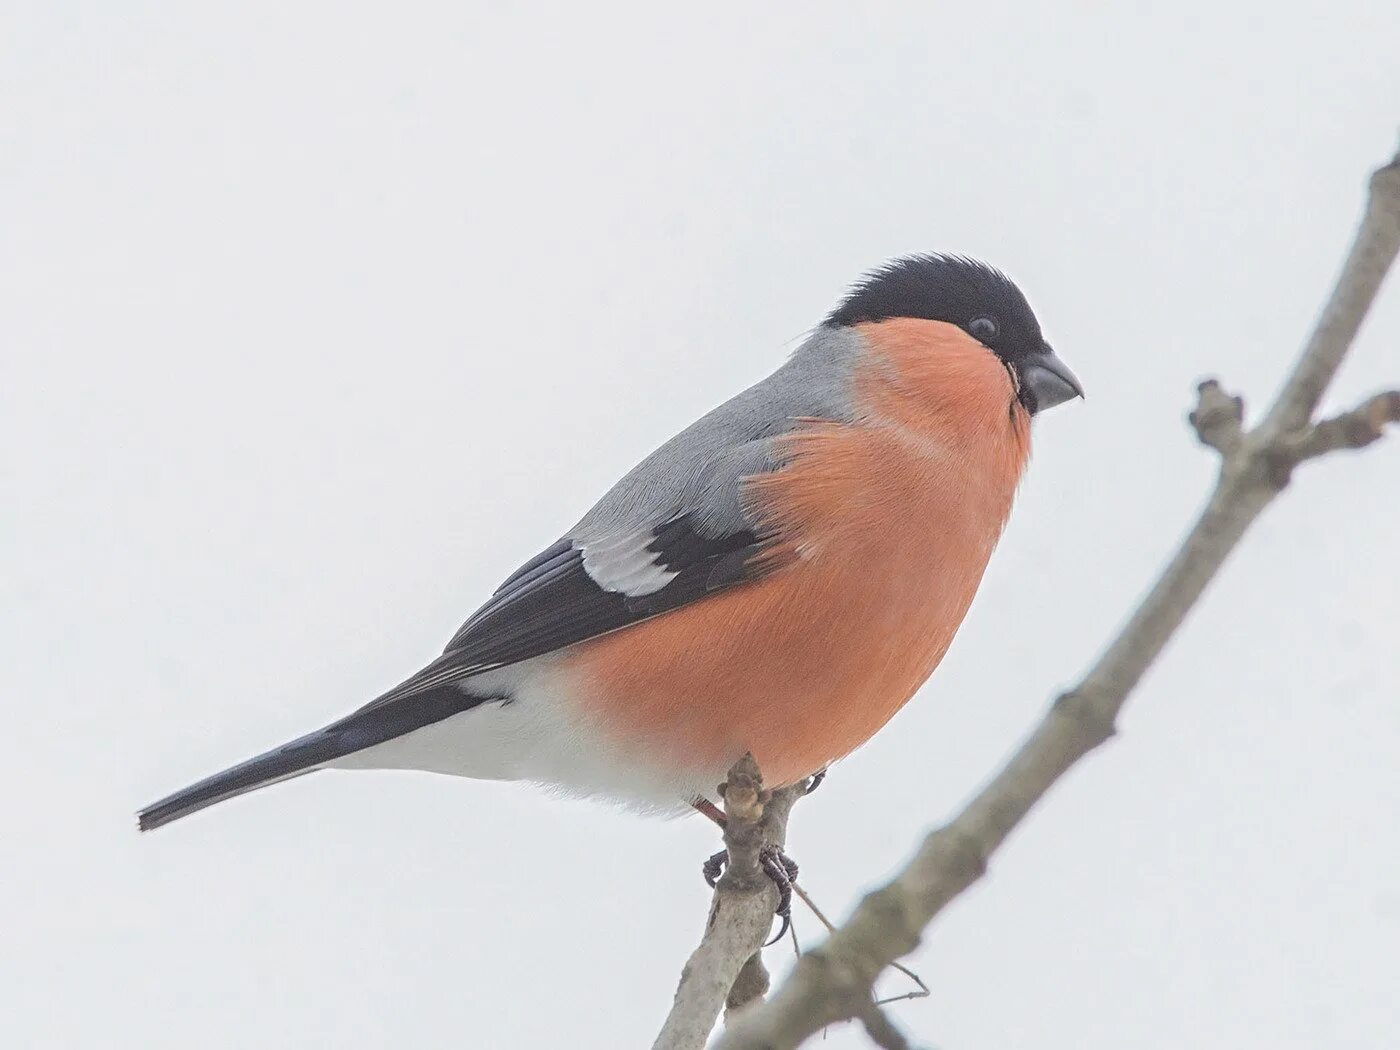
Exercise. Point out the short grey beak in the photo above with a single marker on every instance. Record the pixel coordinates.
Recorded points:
(1049, 380)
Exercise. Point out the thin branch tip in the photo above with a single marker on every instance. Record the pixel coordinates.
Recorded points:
(1385, 187)
(1218, 417)
(749, 987)
(1355, 429)
(881, 1029)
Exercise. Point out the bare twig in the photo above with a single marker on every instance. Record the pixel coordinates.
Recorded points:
(1372, 252)
(1218, 418)
(726, 970)
(833, 982)
(881, 1029)
(920, 992)
(1355, 429)
(750, 986)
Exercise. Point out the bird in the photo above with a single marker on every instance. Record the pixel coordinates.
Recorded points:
(778, 579)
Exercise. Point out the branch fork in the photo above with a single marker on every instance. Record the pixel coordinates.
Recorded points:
(1218, 420)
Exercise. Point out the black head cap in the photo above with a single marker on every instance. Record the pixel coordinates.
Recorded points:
(949, 288)
(979, 299)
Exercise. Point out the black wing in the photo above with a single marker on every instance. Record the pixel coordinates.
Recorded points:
(552, 601)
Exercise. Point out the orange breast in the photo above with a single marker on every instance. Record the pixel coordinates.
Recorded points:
(886, 528)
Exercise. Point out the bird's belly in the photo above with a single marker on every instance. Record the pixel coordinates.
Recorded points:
(800, 668)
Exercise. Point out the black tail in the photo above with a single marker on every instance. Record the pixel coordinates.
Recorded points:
(290, 760)
(372, 724)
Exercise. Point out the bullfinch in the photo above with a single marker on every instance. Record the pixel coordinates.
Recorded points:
(778, 578)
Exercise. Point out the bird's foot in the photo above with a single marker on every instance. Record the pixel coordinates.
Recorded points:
(814, 781)
(777, 865)
(713, 868)
(782, 869)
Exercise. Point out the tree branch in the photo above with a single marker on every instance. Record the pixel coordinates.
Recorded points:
(1372, 252)
(834, 982)
(727, 970)
(881, 1029)
(1355, 429)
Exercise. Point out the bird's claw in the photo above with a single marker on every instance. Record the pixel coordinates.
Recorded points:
(713, 868)
(777, 865)
(782, 869)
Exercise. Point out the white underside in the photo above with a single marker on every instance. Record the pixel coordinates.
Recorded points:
(538, 736)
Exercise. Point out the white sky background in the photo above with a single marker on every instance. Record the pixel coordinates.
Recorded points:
(318, 319)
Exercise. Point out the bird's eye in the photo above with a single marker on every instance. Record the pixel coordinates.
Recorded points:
(983, 329)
